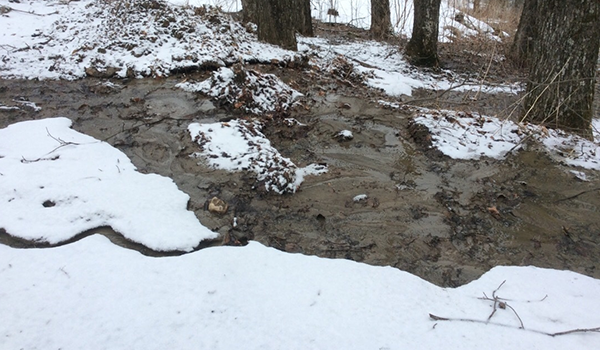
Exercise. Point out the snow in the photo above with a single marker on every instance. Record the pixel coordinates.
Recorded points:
(92, 294)
(384, 67)
(239, 145)
(360, 197)
(142, 38)
(256, 94)
(136, 38)
(460, 135)
(344, 135)
(57, 183)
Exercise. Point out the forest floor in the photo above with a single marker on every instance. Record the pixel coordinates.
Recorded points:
(445, 220)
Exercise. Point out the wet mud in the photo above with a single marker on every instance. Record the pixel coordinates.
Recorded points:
(447, 221)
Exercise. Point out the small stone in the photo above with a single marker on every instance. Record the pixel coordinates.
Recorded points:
(217, 206)
(344, 135)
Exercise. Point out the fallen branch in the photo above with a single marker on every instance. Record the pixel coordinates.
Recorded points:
(62, 143)
(501, 303)
(6, 9)
(571, 331)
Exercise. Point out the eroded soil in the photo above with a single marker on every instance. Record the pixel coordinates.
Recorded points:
(445, 220)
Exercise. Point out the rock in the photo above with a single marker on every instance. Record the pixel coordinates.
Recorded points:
(217, 206)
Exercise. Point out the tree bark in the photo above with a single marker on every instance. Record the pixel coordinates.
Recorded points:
(526, 34)
(381, 24)
(560, 91)
(279, 20)
(275, 19)
(422, 47)
(303, 18)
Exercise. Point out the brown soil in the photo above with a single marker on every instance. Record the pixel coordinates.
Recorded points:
(445, 220)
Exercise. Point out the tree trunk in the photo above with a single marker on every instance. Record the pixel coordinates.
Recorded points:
(422, 47)
(526, 34)
(560, 91)
(303, 18)
(275, 19)
(381, 24)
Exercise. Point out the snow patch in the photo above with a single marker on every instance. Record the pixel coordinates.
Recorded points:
(249, 90)
(239, 145)
(57, 183)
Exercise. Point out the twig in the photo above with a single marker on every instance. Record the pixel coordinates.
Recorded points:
(62, 143)
(62, 269)
(7, 9)
(577, 195)
(571, 331)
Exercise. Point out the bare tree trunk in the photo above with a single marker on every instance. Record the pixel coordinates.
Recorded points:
(526, 34)
(560, 91)
(303, 21)
(275, 19)
(422, 47)
(381, 24)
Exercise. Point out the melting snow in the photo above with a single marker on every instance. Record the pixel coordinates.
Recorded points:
(239, 145)
(253, 92)
(57, 183)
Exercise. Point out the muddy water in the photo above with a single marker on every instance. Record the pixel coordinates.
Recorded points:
(447, 221)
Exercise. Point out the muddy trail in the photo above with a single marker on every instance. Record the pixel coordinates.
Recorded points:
(447, 221)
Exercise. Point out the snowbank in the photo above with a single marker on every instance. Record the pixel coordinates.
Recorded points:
(92, 294)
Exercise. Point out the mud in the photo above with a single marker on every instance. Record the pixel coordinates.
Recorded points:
(445, 220)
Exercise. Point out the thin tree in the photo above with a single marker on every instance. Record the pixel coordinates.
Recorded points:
(422, 47)
(522, 45)
(381, 24)
(562, 75)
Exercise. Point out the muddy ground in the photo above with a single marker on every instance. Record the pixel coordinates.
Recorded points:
(425, 213)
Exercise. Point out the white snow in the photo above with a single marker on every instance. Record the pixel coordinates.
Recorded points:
(139, 38)
(383, 67)
(57, 183)
(463, 136)
(239, 145)
(143, 38)
(460, 135)
(360, 197)
(257, 94)
(344, 135)
(92, 294)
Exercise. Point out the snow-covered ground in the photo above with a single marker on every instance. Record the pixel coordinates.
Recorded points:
(56, 183)
(93, 295)
(45, 39)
